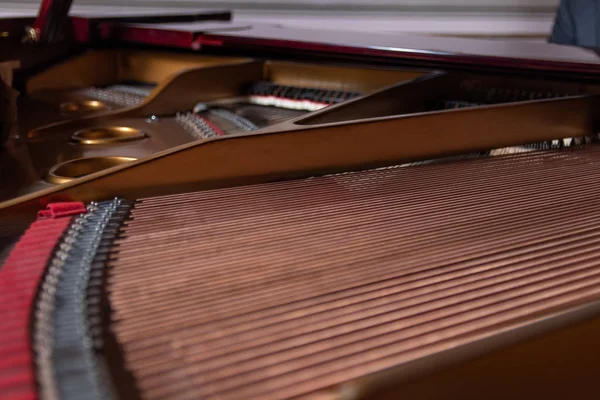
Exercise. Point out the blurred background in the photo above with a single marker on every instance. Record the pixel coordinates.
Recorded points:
(529, 20)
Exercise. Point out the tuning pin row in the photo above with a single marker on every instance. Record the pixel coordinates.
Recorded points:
(493, 96)
(67, 330)
(233, 118)
(546, 145)
(199, 127)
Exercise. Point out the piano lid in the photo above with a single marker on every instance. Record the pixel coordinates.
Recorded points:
(88, 24)
(150, 15)
(54, 17)
(189, 35)
(497, 53)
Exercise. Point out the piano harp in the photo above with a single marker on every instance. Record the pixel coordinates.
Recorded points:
(193, 207)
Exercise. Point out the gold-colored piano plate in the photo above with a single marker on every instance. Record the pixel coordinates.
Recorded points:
(71, 107)
(351, 79)
(107, 135)
(52, 97)
(290, 151)
(418, 95)
(60, 142)
(73, 169)
(105, 67)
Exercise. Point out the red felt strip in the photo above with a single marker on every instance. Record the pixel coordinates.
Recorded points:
(57, 210)
(19, 281)
(214, 127)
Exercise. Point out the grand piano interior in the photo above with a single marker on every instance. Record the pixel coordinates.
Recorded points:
(193, 207)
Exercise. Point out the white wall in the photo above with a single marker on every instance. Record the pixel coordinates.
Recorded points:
(532, 18)
(332, 3)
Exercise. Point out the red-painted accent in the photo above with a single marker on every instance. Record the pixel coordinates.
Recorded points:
(214, 127)
(81, 29)
(43, 13)
(208, 41)
(157, 37)
(51, 18)
(410, 54)
(105, 30)
(19, 281)
(368, 46)
(57, 210)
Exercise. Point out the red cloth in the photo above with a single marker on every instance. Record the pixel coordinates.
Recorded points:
(19, 282)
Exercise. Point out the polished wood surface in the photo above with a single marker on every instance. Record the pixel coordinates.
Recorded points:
(291, 150)
(118, 66)
(211, 80)
(367, 45)
(559, 363)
